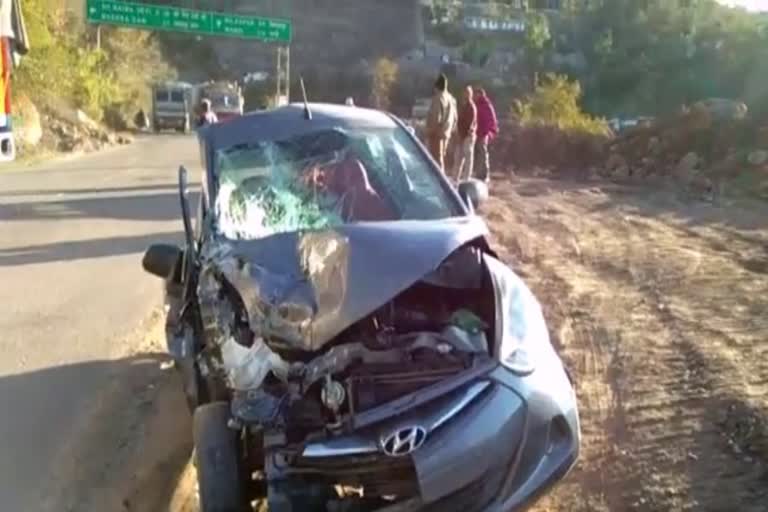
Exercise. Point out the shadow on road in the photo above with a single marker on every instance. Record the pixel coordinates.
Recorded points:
(168, 187)
(157, 207)
(84, 249)
(100, 435)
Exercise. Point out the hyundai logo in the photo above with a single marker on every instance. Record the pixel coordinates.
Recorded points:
(403, 441)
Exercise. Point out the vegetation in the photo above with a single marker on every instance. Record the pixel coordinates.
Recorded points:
(555, 103)
(65, 64)
(384, 79)
(650, 57)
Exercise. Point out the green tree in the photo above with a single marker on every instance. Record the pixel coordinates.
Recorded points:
(536, 40)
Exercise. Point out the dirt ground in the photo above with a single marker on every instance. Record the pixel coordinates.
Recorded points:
(659, 308)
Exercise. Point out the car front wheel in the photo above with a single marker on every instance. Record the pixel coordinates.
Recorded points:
(217, 458)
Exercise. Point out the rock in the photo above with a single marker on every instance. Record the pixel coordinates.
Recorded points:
(722, 109)
(688, 162)
(66, 144)
(28, 127)
(622, 171)
(83, 119)
(615, 161)
(758, 157)
(654, 145)
(124, 139)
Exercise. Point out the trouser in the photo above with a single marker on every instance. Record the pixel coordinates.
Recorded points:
(465, 157)
(437, 146)
(483, 158)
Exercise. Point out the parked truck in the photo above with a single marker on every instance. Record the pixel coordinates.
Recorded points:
(226, 98)
(172, 106)
(14, 43)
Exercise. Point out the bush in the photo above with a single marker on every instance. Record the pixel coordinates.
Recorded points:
(555, 103)
(537, 145)
(65, 67)
(384, 78)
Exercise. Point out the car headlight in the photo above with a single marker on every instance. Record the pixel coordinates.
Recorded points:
(524, 336)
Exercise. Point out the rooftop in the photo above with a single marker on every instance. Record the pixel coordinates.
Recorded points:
(288, 121)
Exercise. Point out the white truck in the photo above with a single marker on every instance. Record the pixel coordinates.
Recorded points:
(172, 106)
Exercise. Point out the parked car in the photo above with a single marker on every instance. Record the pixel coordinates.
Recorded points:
(348, 338)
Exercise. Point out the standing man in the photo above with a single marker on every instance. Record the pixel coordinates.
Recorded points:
(487, 129)
(467, 131)
(440, 120)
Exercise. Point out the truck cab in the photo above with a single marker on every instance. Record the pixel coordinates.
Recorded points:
(226, 98)
(171, 107)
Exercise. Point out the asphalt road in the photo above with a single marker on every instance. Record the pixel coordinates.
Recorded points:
(72, 234)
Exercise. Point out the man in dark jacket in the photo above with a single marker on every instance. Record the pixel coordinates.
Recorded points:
(487, 129)
(467, 133)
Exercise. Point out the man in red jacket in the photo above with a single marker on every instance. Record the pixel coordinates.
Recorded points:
(467, 133)
(487, 129)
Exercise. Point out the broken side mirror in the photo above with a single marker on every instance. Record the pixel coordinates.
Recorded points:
(473, 192)
(162, 260)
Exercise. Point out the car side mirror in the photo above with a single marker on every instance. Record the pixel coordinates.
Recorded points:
(473, 192)
(162, 260)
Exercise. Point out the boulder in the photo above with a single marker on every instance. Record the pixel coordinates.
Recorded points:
(615, 161)
(721, 109)
(124, 139)
(654, 145)
(688, 162)
(758, 157)
(28, 126)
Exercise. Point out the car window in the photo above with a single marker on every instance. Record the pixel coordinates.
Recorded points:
(177, 97)
(223, 101)
(326, 178)
(161, 95)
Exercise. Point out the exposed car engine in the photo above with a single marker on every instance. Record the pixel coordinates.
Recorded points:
(437, 328)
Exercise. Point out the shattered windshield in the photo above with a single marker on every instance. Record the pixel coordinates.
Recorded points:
(323, 179)
(224, 101)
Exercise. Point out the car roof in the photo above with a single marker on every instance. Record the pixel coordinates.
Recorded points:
(288, 121)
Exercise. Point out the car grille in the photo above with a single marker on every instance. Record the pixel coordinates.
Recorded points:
(377, 474)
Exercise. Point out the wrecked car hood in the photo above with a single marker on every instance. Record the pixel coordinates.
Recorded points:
(302, 289)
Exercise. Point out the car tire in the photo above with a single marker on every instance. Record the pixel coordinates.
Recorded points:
(217, 458)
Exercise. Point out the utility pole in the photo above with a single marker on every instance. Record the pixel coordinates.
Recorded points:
(98, 37)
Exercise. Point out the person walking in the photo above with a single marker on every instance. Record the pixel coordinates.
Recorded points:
(467, 134)
(487, 129)
(441, 120)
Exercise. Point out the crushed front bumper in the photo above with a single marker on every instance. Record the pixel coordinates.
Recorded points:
(494, 445)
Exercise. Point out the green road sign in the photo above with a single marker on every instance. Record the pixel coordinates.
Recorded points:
(163, 17)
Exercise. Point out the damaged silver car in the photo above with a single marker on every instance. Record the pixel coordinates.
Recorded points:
(348, 339)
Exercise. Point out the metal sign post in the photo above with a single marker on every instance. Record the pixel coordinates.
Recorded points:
(283, 82)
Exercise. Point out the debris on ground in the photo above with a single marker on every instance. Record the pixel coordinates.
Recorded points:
(701, 147)
(57, 129)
